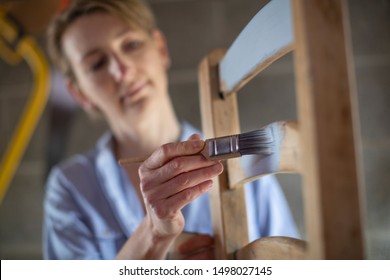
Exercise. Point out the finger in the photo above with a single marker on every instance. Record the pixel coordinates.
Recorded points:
(195, 243)
(169, 151)
(177, 166)
(182, 182)
(178, 201)
(169, 208)
(195, 136)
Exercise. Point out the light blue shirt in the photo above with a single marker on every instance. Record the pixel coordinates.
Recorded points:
(91, 208)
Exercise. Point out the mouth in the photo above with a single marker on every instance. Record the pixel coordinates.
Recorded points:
(133, 93)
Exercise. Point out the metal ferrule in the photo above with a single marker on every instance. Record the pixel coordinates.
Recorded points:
(224, 147)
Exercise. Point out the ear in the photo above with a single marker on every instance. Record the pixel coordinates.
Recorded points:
(162, 47)
(78, 95)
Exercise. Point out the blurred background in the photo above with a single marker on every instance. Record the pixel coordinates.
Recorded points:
(193, 28)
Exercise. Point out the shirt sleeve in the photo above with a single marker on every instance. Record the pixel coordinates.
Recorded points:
(268, 211)
(65, 231)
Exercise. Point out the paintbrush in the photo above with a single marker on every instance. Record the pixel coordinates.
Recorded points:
(260, 142)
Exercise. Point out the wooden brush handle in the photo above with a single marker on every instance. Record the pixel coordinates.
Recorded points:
(131, 160)
(137, 160)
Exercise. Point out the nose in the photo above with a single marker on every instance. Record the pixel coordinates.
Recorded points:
(119, 68)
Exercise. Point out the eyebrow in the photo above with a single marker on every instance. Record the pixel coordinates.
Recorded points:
(123, 32)
(89, 53)
(94, 51)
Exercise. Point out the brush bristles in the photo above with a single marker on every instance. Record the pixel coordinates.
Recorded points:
(256, 142)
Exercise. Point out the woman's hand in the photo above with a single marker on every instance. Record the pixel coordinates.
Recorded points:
(173, 176)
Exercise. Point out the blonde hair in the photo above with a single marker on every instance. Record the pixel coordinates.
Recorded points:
(136, 13)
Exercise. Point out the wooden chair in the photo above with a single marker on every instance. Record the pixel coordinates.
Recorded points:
(321, 145)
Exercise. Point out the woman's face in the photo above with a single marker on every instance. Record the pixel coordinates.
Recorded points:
(118, 70)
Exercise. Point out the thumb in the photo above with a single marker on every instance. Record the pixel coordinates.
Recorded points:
(195, 136)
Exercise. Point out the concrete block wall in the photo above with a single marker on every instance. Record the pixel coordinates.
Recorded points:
(193, 28)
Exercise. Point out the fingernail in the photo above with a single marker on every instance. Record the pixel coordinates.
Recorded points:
(218, 167)
(197, 144)
(210, 185)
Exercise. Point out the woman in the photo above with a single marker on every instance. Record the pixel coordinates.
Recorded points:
(116, 60)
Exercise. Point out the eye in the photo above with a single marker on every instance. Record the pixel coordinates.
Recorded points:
(98, 64)
(132, 45)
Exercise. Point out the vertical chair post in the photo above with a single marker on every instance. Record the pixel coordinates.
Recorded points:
(219, 118)
(328, 133)
(328, 121)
